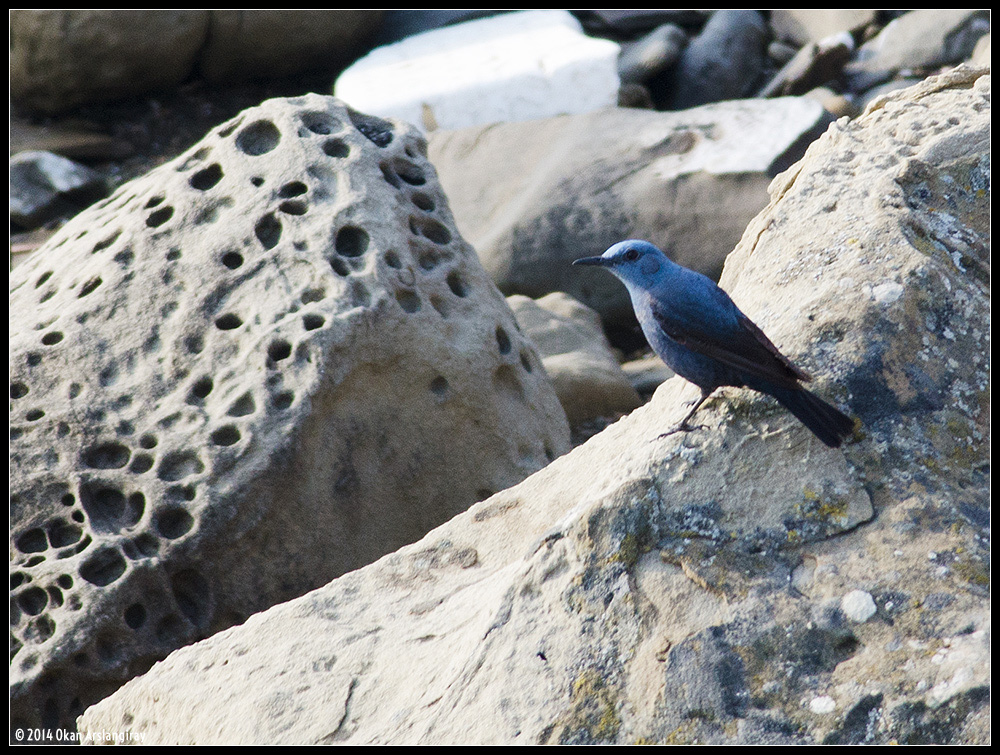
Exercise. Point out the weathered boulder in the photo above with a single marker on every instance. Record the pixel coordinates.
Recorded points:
(714, 587)
(63, 58)
(265, 363)
(532, 197)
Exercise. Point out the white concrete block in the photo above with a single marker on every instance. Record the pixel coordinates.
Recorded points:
(513, 67)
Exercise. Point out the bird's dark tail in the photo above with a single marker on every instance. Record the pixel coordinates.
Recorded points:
(827, 423)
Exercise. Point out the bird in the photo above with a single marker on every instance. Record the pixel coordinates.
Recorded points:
(700, 333)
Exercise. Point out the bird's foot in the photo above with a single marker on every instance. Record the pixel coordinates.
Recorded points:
(683, 427)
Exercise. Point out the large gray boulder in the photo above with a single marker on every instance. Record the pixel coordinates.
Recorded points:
(741, 584)
(264, 364)
(532, 197)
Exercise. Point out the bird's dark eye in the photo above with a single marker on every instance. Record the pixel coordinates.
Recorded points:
(631, 255)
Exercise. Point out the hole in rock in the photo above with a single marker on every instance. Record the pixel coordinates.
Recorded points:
(103, 567)
(173, 522)
(457, 284)
(33, 601)
(340, 267)
(422, 201)
(51, 339)
(503, 340)
(293, 207)
(159, 217)
(135, 615)
(180, 464)
(408, 300)
(232, 260)
(89, 287)
(243, 406)
(440, 305)
(292, 189)
(319, 122)
(312, 322)
(409, 172)
(259, 138)
(283, 400)
(111, 455)
(18, 390)
(141, 463)
(336, 148)
(228, 322)
(61, 533)
(32, 541)
(226, 435)
(526, 361)
(102, 245)
(351, 241)
(439, 386)
(206, 178)
(376, 130)
(268, 231)
(279, 350)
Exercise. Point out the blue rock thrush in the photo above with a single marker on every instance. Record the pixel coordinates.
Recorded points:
(699, 332)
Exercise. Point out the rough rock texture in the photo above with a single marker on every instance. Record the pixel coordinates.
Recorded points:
(63, 58)
(264, 364)
(533, 197)
(577, 357)
(705, 587)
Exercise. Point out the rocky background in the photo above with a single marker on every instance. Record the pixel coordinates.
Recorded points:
(260, 341)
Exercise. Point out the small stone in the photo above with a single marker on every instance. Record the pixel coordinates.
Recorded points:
(858, 606)
(822, 705)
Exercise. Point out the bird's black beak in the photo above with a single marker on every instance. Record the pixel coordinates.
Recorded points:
(591, 261)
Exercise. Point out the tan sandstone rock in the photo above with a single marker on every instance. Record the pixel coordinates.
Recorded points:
(691, 589)
(578, 358)
(264, 364)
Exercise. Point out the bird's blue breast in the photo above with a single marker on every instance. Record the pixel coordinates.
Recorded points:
(697, 368)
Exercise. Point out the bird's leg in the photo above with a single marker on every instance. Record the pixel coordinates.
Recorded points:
(683, 426)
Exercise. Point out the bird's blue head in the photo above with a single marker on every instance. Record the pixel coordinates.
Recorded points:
(634, 262)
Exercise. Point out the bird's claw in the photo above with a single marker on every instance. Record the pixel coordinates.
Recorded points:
(684, 427)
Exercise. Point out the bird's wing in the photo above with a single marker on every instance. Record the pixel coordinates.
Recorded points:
(740, 344)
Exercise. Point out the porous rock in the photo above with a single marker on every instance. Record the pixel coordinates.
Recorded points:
(264, 364)
(688, 589)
